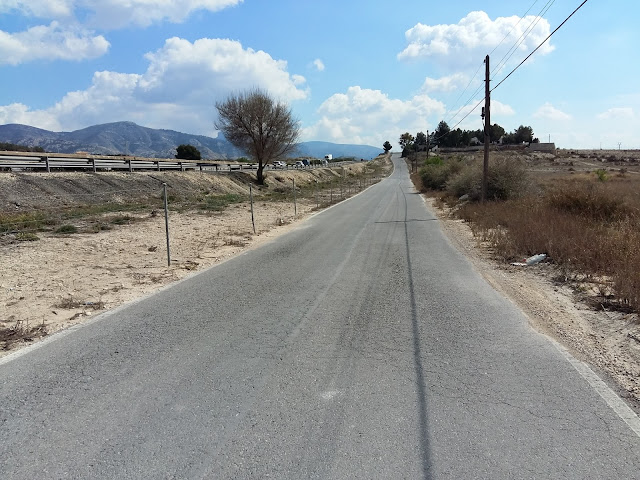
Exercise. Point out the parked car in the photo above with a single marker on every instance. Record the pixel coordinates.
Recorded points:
(278, 164)
(299, 164)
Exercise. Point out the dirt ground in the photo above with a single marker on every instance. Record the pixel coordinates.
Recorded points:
(62, 280)
(57, 282)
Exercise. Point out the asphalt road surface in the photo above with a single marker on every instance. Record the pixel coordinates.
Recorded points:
(361, 345)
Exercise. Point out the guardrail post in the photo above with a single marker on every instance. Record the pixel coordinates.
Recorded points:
(130, 165)
(93, 164)
(157, 165)
(46, 162)
(181, 166)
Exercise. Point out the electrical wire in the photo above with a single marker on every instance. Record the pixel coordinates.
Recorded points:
(479, 89)
(513, 28)
(514, 48)
(516, 68)
(542, 43)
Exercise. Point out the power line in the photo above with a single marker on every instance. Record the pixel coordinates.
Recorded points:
(507, 56)
(479, 89)
(518, 66)
(542, 43)
(512, 28)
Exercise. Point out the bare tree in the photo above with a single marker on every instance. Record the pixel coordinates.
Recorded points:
(261, 127)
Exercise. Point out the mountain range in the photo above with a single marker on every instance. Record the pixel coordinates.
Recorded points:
(127, 138)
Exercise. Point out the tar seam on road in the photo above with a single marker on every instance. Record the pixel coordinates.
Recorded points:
(417, 357)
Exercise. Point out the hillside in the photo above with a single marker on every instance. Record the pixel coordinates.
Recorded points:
(127, 138)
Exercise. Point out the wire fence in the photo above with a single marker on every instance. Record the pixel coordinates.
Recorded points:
(63, 213)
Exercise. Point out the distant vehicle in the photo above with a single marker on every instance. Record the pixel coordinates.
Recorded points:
(324, 162)
(299, 164)
(328, 157)
(278, 164)
(306, 162)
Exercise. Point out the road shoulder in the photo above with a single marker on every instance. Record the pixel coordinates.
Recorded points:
(607, 341)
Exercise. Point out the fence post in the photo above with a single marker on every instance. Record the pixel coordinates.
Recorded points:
(331, 187)
(316, 193)
(295, 205)
(251, 199)
(166, 222)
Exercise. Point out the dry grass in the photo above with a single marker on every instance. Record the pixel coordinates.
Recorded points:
(20, 332)
(588, 224)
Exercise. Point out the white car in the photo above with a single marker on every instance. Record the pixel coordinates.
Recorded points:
(299, 164)
(278, 164)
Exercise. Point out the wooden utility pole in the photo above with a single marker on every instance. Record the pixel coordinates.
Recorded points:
(487, 129)
(427, 146)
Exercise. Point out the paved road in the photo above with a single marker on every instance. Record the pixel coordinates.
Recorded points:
(359, 346)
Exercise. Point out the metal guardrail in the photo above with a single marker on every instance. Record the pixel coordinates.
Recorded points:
(18, 161)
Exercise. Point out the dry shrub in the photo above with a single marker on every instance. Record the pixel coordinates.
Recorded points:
(588, 200)
(584, 229)
(436, 172)
(507, 179)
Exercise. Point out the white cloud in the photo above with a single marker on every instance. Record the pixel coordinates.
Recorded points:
(20, 113)
(110, 14)
(178, 91)
(444, 84)
(50, 42)
(70, 35)
(465, 44)
(39, 8)
(365, 116)
(621, 113)
(318, 64)
(549, 112)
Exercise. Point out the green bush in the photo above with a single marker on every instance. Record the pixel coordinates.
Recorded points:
(66, 229)
(602, 175)
(436, 173)
(506, 180)
(220, 202)
(433, 160)
(27, 237)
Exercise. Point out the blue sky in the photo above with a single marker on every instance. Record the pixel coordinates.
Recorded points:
(353, 71)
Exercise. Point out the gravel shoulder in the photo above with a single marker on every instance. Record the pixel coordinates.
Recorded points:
(608, 341)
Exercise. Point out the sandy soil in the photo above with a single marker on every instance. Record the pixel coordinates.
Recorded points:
(58, 281)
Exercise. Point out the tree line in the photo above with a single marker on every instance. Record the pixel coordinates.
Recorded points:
(443, 136)
(12, 147)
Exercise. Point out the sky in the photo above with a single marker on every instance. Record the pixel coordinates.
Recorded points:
(352, 71)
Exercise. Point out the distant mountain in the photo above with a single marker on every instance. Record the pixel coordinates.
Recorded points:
(127, 138)
(320, 149)
(124, 138)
